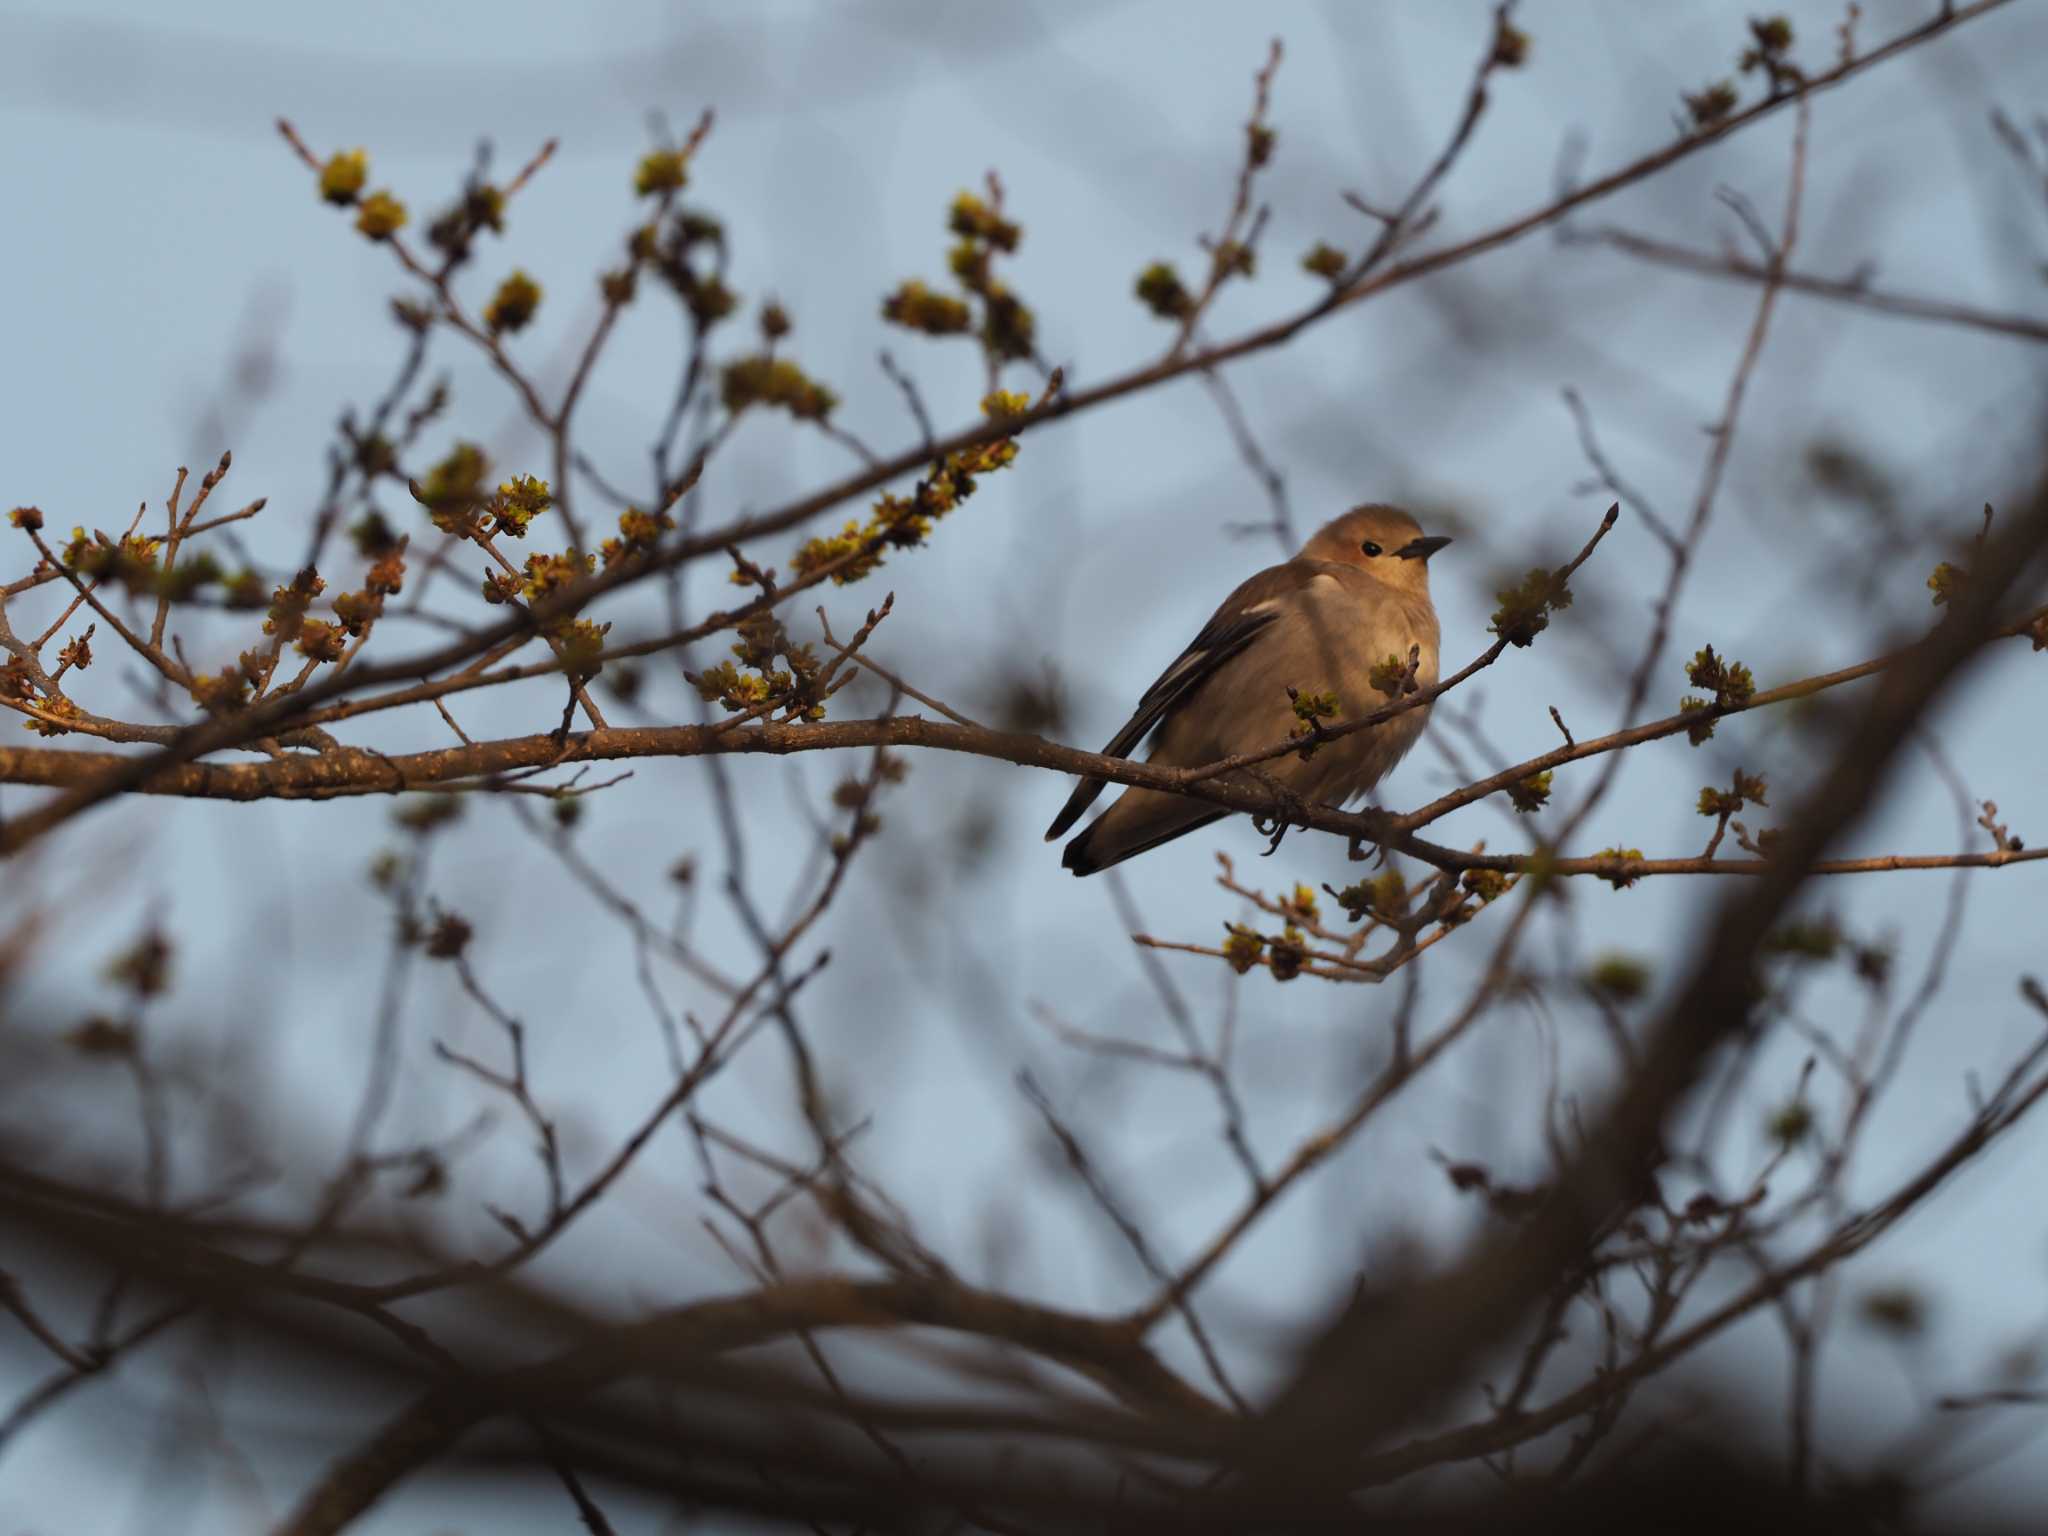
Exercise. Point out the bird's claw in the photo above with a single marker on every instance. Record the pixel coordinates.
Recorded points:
(1274, 828)
(1356, 851)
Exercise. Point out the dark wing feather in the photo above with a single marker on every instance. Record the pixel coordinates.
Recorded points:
(1241, 619)
(1081, 859)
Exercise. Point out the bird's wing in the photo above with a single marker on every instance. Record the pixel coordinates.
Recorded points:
(1244, 616)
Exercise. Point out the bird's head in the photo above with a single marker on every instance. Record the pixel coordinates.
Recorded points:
(1382, 540)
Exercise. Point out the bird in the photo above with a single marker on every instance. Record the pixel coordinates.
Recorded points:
(1355, 596)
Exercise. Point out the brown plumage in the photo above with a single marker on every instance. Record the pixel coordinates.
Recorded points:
(1357, 594)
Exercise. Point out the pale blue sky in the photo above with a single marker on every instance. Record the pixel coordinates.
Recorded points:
(155, 217)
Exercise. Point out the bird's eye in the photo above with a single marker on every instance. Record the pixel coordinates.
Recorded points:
(1369, 547)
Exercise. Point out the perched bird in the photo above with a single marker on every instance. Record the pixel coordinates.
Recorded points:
(1356, 595)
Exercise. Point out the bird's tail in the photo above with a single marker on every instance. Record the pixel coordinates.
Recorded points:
(1141, 819)
(1083, 796)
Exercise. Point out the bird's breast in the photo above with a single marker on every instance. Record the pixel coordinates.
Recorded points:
(1351, 638)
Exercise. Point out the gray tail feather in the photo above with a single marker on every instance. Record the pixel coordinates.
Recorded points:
(1085, 855)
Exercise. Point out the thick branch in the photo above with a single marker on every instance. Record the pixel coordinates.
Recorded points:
(422, 1432)
(350, 771)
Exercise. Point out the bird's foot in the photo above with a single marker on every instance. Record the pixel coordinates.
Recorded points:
(1293, 809)
(1382, 843)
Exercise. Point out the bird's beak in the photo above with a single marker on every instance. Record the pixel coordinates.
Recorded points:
(1421, 549)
